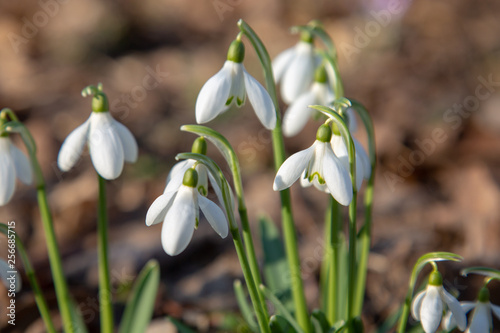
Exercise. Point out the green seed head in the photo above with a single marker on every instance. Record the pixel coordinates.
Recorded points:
(199, 146)
(190, 178)
(324, 133)
(435, 279)
(236, 52)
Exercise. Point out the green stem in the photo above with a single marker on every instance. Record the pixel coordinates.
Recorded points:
(106, 305)
(365, 234)
(30, 274)
(352, 260)
(289, 231)
(335, 219)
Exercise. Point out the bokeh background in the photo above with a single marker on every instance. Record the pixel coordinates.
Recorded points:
(428, 71)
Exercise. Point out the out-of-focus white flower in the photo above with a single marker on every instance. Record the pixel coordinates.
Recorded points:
(230, 87)
(482, 319)
(318, 166)
(110, 145)
(294, 69)
(13, 164)
(428, 305)
(298, 113)
(363, 166)
(179, 211)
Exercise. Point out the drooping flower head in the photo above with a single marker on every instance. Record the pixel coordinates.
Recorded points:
(298, 113)
(13, 164)
(482, 318)
(294, 68)
(110, 143)
(230, 86)
(179, 211)
(319, 166)
(428, 305)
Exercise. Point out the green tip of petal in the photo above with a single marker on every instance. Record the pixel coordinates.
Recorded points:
(199, 146)
(324, 133)
(190, 178)
(484, 295)
(435, 279)
(236, 52)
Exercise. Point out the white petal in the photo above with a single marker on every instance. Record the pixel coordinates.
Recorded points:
(72, 146)
(214, 94)
(214, 216)
(106, 150)
(416, 304)
(448, 322)
(261, 101)
(238, 90)
(202, 179)
(454, 307)
(176, 175)
(298, 113)
(300, 73)
(281, 63)
(304, 182)
(22, 165)
(363, 158)
(340, 150)
(481, 319)
(352, 122)
(431, 309)
(496, 310)
(130, 149)
(336, 177)
(158, 209)
(178, 227)
(292, 168)
(7, 172)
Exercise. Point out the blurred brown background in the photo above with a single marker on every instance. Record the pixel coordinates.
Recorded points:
(428, 71)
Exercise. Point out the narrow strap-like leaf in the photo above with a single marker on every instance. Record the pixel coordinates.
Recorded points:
(245, 308)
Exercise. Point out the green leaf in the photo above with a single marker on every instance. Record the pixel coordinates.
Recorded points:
(320, 321)
(140, 306)
(245, 308)
(181, 328)
(337, 327)
(276, 271)
(485, 271)
(279, 324)
(281, 308)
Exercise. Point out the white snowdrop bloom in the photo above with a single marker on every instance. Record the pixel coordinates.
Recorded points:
(110, 143)
(230, 86)
(482, 319)
(428, 305)
(294, 69)
(319, 166)
(363, 166)
(13, 164)
(179, 211)
(298, 113)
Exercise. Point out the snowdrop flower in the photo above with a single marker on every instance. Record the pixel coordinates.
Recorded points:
(179, 211)
(482, 320)
(363, 166)
(110, 143)
(298, 113)
(230, 87)
(428, 305)
(318, 166)
(13, 164)
(294, 69)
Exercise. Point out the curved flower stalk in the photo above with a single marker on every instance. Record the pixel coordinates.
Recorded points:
(230, 86)
(319, 166)
(179, 210)
(294, 68)
(298, 113)
(13, 164)
(428, 305)
(110, 143)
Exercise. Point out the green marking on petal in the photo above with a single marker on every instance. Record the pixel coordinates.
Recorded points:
(320, 179)
(202, 190)
(229, 100)
(239, 101)
(196, 224)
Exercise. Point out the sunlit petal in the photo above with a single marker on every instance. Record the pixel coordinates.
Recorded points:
(281, 63)
(72, 146)
(454, 307)
(7, 172)
(481, 319)
(261, 101)
(337, 178)
(416, 304)
(214, 94)
(298, 113)
(158, 209)
(21, 164)
(299, 74)
(130, 148)
(214, 215)
(431, 309)
(292, 168)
